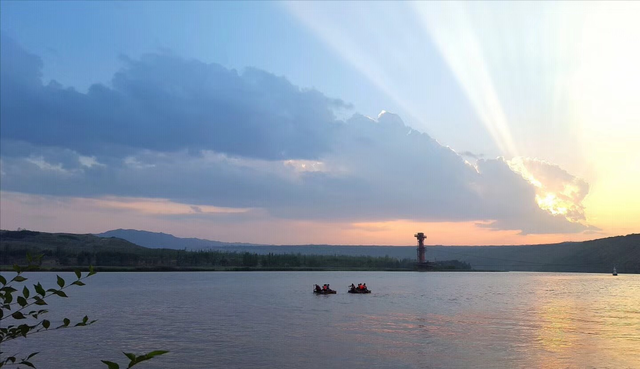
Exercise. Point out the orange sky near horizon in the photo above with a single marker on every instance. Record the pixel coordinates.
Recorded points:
(52, 214)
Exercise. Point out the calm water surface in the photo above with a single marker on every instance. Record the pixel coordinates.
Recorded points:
(411, 320)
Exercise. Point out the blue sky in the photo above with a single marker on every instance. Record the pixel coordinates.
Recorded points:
(516, 121)
(81, 42)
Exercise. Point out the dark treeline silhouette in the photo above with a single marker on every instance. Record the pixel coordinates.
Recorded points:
(594, 256)
(156, 258)
(65, 250)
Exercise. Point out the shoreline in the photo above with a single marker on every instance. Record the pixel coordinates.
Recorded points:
(111, 269)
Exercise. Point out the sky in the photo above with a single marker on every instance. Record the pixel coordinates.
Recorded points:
(322, 122)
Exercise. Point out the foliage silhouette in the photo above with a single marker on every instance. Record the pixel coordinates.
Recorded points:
(21, 309)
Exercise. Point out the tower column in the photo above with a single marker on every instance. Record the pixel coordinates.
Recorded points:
(421, 249)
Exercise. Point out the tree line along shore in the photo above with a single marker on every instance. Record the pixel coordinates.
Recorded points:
(63, 251)
(59, 252)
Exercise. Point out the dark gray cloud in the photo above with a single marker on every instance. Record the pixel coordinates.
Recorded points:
(201, 134)
(165, 103)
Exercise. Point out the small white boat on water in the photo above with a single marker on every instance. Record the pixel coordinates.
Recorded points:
(615, 272)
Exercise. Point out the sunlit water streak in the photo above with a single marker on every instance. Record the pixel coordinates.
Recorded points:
(411, 320)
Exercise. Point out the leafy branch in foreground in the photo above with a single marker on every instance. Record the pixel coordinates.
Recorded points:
(19, 305)
(134, 359)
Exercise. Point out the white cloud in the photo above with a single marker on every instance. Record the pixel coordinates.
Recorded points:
(88, 161)
(42, 164)
(134, 162)
(557, 191)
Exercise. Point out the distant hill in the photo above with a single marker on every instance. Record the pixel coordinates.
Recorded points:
(65, 251)
(69, 241)
(599, 255)
(58, 247)
(156, 240)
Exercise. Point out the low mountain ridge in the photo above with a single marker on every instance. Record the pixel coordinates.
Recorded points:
(72, 241)
(159, 240)
(599, 255)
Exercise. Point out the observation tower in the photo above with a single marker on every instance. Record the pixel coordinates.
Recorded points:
(422, 262)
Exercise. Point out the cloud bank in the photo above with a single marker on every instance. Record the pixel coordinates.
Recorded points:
(200, 134)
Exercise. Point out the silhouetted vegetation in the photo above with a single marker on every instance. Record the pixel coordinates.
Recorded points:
(84, 250)
(64, 251)
(22, 311)
(599, 256)
(179, 259)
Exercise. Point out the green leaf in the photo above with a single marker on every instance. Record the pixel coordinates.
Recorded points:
(32, 355)
(46, 324)
(66, 321)
(78, 283)
(131, 356)
(2, 280)
(24, 329)
(23, 362)
(39, 301)
(111, 364)
(25, 292)
(91, 271)
(39, 289)
(145, 357)
(17, 268)
(8, 289)
(85, 319)
(60, 293)
(60, 281)
(156, 353)
(19, 278)
(22, 301)
(78, 274)
(17, 315)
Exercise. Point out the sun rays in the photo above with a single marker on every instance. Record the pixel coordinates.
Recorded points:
(556, 81)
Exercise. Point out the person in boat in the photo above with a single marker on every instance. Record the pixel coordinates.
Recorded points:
(325, 287)
(353, 287)
(359, 286)
(364, 287)
(318, 289)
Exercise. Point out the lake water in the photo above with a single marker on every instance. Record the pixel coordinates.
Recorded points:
(411, 320)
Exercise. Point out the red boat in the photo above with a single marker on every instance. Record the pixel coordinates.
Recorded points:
(354, 289)
(325, 290)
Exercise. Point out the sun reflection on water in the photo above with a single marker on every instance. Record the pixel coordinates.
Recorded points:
(549, 324)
